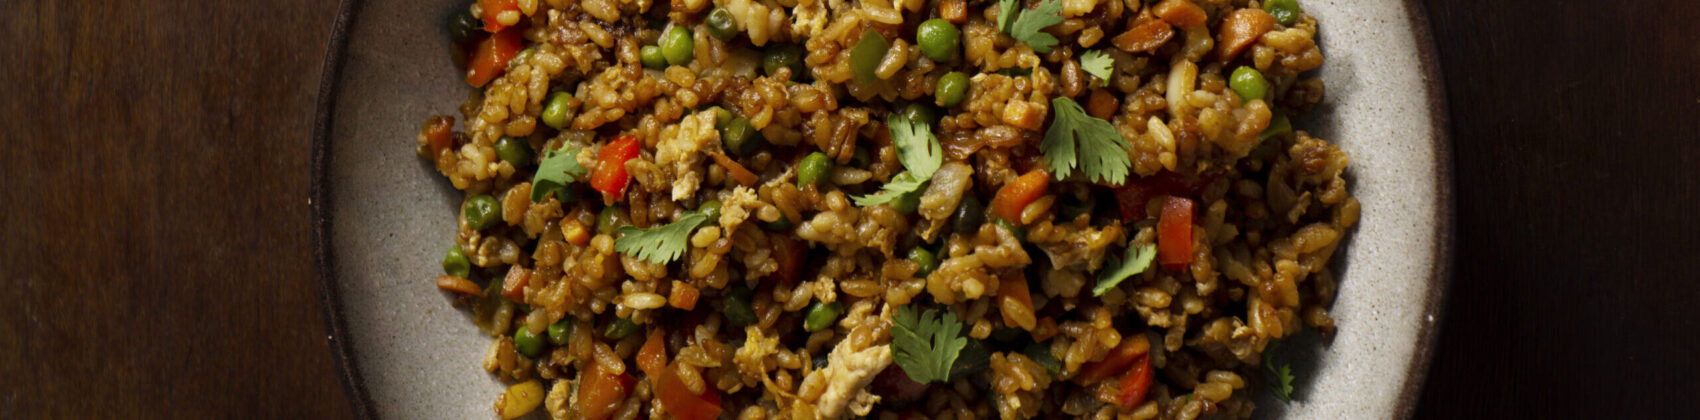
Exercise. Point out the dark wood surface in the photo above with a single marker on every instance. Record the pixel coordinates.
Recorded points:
(156, 259)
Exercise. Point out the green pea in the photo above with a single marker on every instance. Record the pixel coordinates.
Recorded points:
(515, 151)
(677, 46)
(710, 208)
(813, 168)
(865, 57)
(1248, 83)
(555, 110)
(781, 225)
(736, 307)
(820, 316)
(1284, 11)
(620, 329)
(482, 211)
(908, 202)
(609, 220)
(463, 26)
(1019, 233)
(560, 331)
(951, 89)
(925, 259)
(917, 111)
(784, 56)
(528, 343)
(721, 24)
(722, 117)
(456, 264)
(740, 138)
(970, 214)
(939, 40)
(652, 58)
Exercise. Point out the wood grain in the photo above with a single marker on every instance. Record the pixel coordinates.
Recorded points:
(156, 249)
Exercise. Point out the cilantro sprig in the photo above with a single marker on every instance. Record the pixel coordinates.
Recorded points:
(1281, 381)
(1073, 134)
(1097, 63)
(559, 168)
(659, 245)
(925, 345)
(920, 153)
(1028, 28)
(1137, 260)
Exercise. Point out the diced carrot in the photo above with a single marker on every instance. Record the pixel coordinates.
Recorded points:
(1135, 383)
(1181, 13)
(1013, 294)
(738, 172)
(610, 176)
(678, 399)
(494, 8)
(439, 133)
(513, 286)
(1131, 347)
(601, 392)
(683, 296)
(1146, 34)
(1239, 30)
(574, 232)
(1174, 233)
(458, 285)
(790, 255)
(1132, 197)
(955, 11)
(491, 57)
(1102, 104)
(1017, 194)
(1046, 329)
(652, 357)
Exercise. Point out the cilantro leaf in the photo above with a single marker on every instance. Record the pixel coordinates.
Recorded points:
(659, 245)
(920, 153)
(1098, 64)
(560, 167)
(924, 345)
(1006, 13)
(1028, 27)
(1137, 260)
(1105, 149)
(1281, 382)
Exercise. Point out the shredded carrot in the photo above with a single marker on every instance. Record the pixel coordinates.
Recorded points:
(743, 176)
(458, 285)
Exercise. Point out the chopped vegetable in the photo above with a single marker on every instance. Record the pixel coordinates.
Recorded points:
(739, 138)
(527, 342)
(659, 245)
(678, 400)
(1239, 30)
(439, 133)
(456, 264)
(1118, 361)
(493, 10)
(1013, 293)
(683, 296)
(939, 40)
(787, 56)
(652, 58)
(865, 57)
(1098, 64)
(1019, 233)
(721, 25)
(1145, 35)
(560, 331)
(1074, 135)
(652, 357)
(1249, 84)
(924, 260)
(555, 110)
(1285, 11)
(677, 46)
(620, 329)
(1278, 125)
(1137, 260)
(610, 177)
(491, 57)
(1028, 27)
(458, 285)
(609, 219)
(559, 169)
(1133, 196)
(789, 254)
(920, 154)
(521, 399)
(601, 392)
(924, 344)
(736, 170)
(952, 88)
(1134, 385)
(513, 285)
(574, 232)
(1174, 233)
(917, 111)
(1016, 195)
(481, 211)
(514, 151)
(1181, 13)
(820, 316)
(812, 169)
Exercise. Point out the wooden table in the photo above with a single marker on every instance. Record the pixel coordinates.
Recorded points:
(156, 249)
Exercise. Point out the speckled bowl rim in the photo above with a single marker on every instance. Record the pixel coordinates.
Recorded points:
(354, 385)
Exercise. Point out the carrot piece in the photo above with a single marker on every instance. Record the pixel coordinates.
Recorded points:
(1102, 104)
(1046, 329)
(1013, 294)
(458, 285)
(955, 11)
(1181, 13)
(1146, 34)
(652, 357)
(1016, 195)
(601, 392)
(513, 286)
(1131, 347)
(491, 57)
(1136, 383)
(439, 133)
(683, 296)
(738, 172)
(789, 254)
(1174, 233)
(680, 402)
(494, 8)
(610, 176)
(1240, 29)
